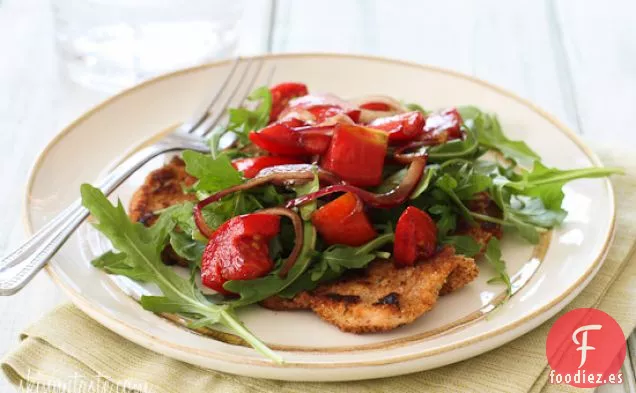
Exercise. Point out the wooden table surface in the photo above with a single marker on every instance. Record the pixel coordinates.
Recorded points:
(574, 58)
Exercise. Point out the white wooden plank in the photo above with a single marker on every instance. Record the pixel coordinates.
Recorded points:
(254, 28)
(508, 43)
(599, 42)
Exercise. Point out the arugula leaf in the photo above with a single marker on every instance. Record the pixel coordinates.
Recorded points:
(490, 135)
(391, 181)
(161, 304)
(186, 247)
(242, 120)
(493, 256)
(340, 257)
(464, 245)
(447, 219)
(411, 106)
(181, 215)
(308, 208)
(429, 173)
(268, 195)
(449, 184)
(533, 211)
(469, 181)
(213, 174)
(214, 140)
(333, 262)
(527, 231)
(467, 147)
(547, 183)
(469, 112)
(142, 249)
(472, 183)
(118, 263)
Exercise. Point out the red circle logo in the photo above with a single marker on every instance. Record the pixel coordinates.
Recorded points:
(585, 348)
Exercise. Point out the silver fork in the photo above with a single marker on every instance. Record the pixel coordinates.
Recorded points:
(32, 255)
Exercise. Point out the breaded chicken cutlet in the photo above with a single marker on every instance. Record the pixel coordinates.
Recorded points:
(162, 188)
(383, 297)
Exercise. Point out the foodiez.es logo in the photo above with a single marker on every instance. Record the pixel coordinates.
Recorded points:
(585, 348)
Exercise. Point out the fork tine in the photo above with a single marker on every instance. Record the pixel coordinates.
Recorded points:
(249, 88)
(251, 84)
(201, 113)
(270, 75)
(219, 111)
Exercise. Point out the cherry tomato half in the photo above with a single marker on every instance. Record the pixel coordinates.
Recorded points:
(239, 250)
(415, 237)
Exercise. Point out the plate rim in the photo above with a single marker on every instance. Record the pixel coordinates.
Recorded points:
(100, 316)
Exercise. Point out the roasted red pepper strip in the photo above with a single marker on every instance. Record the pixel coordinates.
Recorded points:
(282, 94)
(251, 166)
(239, 250)
(356, 154)
(342, 221)
(443, 126)
(279, 139)
(401, 128)
(292, 138)
(415, 237)
(315, 139)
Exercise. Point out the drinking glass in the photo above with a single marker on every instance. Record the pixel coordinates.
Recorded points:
(112, 44)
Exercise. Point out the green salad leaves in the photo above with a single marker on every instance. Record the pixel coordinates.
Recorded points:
(213, 174)
(244, 120)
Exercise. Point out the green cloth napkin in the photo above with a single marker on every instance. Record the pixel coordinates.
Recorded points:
(67, 349)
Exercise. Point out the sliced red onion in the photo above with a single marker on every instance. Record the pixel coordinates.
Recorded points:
(293, 173)
(298, 232)
(359, 206)
(389, 199)
(322, 129)
(340, 118)
(402, 156)
(279, 175)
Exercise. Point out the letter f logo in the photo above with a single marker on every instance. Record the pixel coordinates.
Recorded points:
(583, 344)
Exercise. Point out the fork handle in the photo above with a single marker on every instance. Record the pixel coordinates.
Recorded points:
(33, 254)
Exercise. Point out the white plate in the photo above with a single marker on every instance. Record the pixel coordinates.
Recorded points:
(547, 278)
